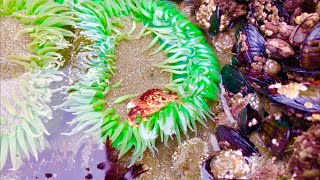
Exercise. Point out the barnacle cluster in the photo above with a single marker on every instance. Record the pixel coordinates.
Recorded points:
(291, 90)
(305, 159)
(264, 10)
(203, 16)
(218, 15)
(24, 109)
(269, 169)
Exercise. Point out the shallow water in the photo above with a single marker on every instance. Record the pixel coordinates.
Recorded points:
(73, 157)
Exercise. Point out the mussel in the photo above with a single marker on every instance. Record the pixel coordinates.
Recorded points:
(301, 99)
(249, 120)
(259, 80)
(276, 133)
(234, 81)
(250, 45)
(310, 53)
(206, 173)
(230, 138)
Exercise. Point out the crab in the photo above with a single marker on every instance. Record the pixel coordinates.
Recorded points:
(149, 103)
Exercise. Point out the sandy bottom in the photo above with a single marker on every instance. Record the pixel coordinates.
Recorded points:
(11, 44)
(137, 72)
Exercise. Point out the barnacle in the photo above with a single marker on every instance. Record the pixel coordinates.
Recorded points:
(192, 63)
(24, 108)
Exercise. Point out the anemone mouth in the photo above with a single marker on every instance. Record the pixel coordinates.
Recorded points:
(190, 61)
(28, 67)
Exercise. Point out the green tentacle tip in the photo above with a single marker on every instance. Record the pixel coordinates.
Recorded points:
(191, 61)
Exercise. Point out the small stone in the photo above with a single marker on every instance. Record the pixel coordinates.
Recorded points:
(48, 175)
(272, 67)
(279, 48)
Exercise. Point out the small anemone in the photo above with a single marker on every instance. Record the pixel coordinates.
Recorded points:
(188, 157)
(230, 164)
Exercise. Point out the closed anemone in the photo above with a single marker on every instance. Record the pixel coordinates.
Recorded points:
(190, 60)
(26, 106)
(230, 164)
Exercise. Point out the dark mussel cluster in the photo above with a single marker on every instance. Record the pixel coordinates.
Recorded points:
(272, 87)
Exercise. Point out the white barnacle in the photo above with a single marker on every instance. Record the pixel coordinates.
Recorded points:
(308, 105)
(275, 142)
(291, 90)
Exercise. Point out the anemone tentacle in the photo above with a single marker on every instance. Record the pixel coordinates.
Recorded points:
(50, 22)
(23, 111)
(22, 115)
(192, 63)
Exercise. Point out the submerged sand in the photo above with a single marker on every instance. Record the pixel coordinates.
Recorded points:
(137, 71)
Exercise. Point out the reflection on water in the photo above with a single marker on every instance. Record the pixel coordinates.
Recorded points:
(68, 156)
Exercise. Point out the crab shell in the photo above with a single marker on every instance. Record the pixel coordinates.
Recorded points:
(149, 103)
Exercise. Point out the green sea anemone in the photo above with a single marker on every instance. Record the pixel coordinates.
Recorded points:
(24, 108)
(48, 24)
(22, 113)
(191, 62)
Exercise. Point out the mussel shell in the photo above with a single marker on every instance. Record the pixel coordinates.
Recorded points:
(279, 1)
(283, 14)
(261, 79)
(276, 134)
(235, 140)
(249, 120)
(243, 1)
(299, 102)
(215, 21)
(235, 61)
(206, 173)
(254, 42)
(297, 36)
(310, 53)
(291, 66)
(234, 81)
(309, 6)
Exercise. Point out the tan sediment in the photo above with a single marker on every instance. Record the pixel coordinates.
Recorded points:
(10, 44)
(160, 165)
(136, 69)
